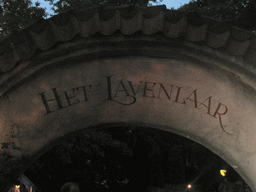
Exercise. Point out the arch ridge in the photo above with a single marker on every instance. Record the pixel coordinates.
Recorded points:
(191, 27)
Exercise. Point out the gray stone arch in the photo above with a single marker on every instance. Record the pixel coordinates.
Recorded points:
(146, 77)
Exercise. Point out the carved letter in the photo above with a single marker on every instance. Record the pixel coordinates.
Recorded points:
(131, 86)
(84, 91)
(109, 87)
(162, 87)
(123, 90)
(219, 115)
(45, 101)
(194, 99)
(207, 106)
(147, 89)
(71, 97)
(177, 96)
(110, 98)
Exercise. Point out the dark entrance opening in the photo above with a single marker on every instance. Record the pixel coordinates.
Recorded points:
(132, 159)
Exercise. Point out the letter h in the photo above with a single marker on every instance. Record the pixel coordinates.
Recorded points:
(45, 101)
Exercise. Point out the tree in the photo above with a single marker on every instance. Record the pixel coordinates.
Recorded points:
(63, 5)
(118, 159)
(91, 158)
(241, 13)
(18, 14)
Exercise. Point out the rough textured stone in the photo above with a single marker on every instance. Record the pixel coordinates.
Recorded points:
(129, 19)
(182, 85)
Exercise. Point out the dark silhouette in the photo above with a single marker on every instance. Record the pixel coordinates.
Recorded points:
(70, 187)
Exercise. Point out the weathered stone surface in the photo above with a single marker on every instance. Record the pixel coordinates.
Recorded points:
(149, 80)
(129, 19)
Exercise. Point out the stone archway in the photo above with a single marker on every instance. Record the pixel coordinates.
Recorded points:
(201, 167)
(150, 80)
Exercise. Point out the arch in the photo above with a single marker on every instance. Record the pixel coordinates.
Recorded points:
(130, 133)
(145, 78)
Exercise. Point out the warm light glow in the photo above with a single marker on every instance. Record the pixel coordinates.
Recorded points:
(17, 186)
(189, 186)
(223, 172)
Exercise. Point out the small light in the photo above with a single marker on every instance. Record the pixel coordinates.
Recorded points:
(17, 186)
(189, 186)
(223, 172)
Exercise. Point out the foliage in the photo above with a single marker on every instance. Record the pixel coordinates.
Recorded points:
(63, 5)
(241, 13)
(18, 14)
(119, 159)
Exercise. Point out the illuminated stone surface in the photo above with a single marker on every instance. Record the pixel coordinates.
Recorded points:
(147, 78)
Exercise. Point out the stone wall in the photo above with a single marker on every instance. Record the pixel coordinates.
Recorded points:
(152, 67)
